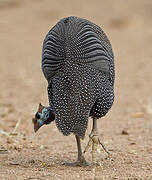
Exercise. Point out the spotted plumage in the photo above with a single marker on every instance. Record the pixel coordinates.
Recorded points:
(78, 63)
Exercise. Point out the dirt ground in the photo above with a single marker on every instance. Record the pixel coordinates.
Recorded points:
(127, 129)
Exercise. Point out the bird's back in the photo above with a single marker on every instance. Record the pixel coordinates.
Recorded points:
(77, 60)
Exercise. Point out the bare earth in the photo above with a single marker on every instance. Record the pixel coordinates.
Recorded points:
(127, 129)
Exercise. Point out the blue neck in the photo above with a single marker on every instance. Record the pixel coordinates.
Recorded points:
(44, 116)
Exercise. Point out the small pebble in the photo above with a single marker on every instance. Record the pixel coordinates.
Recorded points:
(124, 132)
(41, 147)
(137, 115)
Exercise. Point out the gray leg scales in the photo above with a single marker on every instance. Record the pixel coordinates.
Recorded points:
(81, 160)
(95, 142)
(80, 163)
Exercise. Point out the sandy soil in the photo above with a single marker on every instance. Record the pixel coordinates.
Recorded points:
(126, 130)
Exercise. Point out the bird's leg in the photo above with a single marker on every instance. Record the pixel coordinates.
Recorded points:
(94, 141)
(81, 160)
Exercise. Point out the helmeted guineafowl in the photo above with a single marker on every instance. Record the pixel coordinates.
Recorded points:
(78, 63)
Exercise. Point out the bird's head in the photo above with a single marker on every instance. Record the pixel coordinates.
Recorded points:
(43, 116)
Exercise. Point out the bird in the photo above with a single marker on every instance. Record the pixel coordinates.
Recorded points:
(78, 64)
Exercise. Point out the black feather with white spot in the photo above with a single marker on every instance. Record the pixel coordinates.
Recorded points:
(78, 62)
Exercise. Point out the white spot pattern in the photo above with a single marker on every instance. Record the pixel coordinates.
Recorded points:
(78, 62)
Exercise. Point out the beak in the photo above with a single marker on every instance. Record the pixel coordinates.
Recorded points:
(37, 126)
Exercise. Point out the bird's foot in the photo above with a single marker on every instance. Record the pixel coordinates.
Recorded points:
(94, 141)
(81, 162)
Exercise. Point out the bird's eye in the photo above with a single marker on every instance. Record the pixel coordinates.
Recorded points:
(37, 115)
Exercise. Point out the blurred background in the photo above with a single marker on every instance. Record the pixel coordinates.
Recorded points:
(126, 130)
